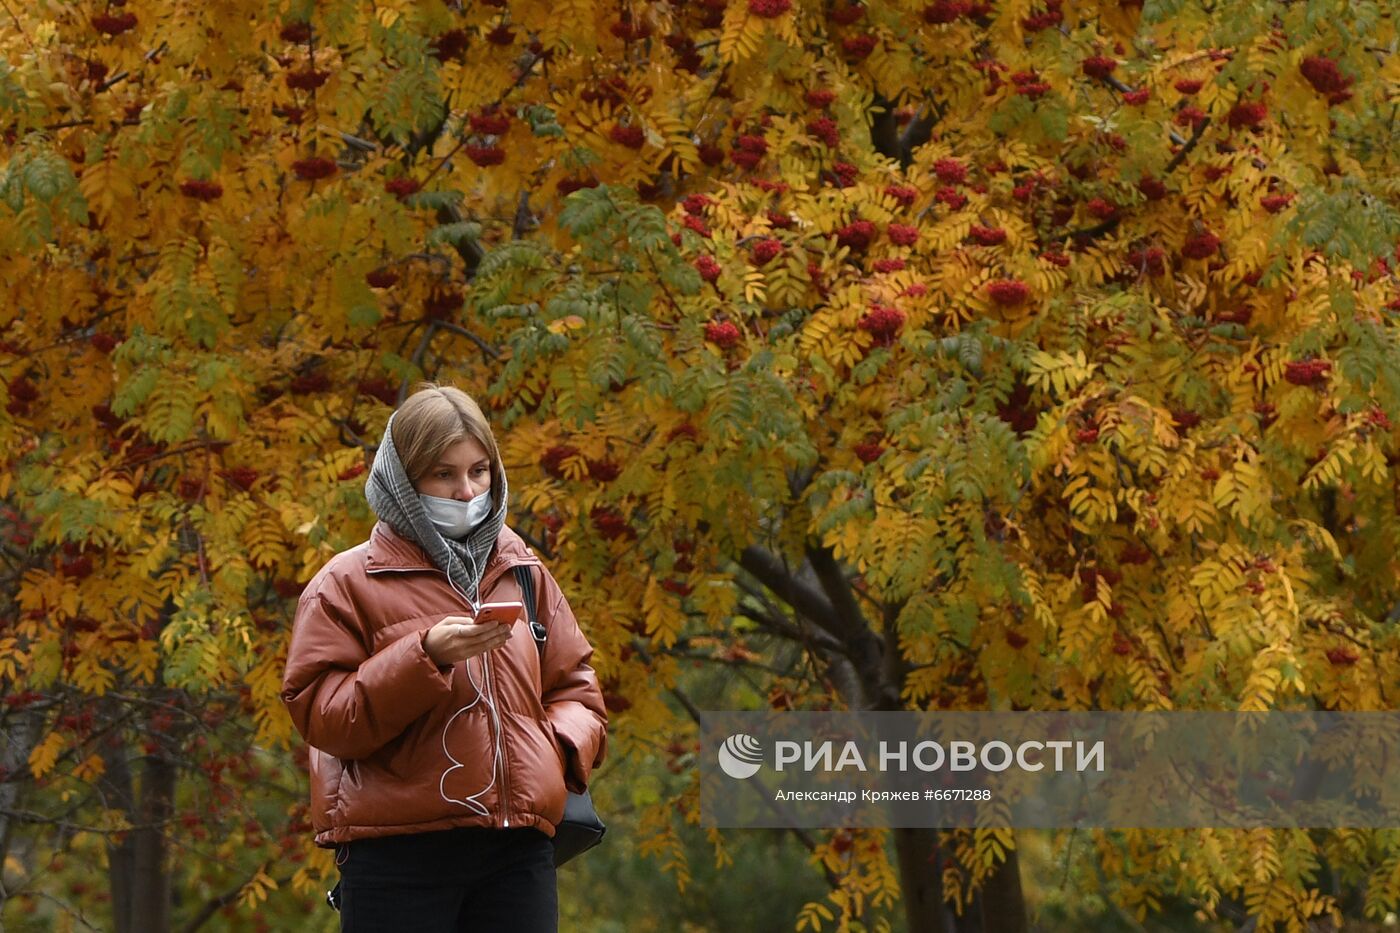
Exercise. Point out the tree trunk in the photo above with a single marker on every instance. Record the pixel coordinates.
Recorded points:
(138, 873)
(920, 879)
(17, 738)
(1003, 904)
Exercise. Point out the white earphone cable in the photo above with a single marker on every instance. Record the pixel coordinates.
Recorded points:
(470, 801)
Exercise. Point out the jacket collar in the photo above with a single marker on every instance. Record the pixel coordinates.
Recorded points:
(389, 550)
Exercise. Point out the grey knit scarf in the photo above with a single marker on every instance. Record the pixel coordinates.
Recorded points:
(394, 500)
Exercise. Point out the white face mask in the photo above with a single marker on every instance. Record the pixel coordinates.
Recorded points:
(453, 517)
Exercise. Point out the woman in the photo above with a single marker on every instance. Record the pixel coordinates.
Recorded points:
(440, 748)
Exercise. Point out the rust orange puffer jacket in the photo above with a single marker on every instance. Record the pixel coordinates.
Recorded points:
(399, 745)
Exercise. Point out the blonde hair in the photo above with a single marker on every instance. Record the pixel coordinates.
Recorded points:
(434, 418)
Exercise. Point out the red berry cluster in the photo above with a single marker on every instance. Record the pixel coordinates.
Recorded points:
(858, 48)
(687, 55)
(449, 46)
(401, 187)
(306, 80)
(846, 15)
(889, 265)
(1307, 372)
(104, 342)
(781, 220)
(708, 268)
(820, 97)
(1324, 75)
(442, 304)
(882, 323)
(313, 168)
(686, 430)
(903, 195)
(697, 203)
(1008, 292)
(856, 235)
(240, 477)
(1184, 419)
(382, 278)
(1134, 554)
(633, 137)
(825, 129)
(1189, 86)
(201, 190)
(943, 12)
(552, 460)
(987, 236)
(696, 224)
(568, 186)
(954, 199)
(1137, 98)
(295, 32)
(114, 24)
(629, 30)
(845, 174)
(1377, 418)
(722, 334)
(765, 250)
(1050, 17)
(489, 123)
(869, 451)
(950, 171)
(1201, 246)
(902, 234)
(1098, 66)
(713, 13)
(609, 522)
(1342, 657)
(1152, 260)
(749, 150)
(769, 9)
(603, 471)
(1247, 114)
(379, 388)
(1102, 209)
(501, 35)
(1028, 84)
(1273, 203)
(1151, 188)
(486, 156)
(1190, 116)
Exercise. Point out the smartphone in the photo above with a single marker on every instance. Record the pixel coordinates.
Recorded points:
(508, 612)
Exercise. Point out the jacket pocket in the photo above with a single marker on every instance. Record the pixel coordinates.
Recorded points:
(326, 772)
(537, 768)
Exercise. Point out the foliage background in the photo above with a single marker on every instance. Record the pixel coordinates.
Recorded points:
(905, 355)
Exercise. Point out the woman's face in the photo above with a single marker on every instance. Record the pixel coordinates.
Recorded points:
(462, 472)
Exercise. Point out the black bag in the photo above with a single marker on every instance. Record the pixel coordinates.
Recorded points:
(580, 829)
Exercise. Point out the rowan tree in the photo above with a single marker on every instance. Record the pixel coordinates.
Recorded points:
(901, 355)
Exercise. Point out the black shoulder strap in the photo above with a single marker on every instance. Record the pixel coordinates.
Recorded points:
(527, 595)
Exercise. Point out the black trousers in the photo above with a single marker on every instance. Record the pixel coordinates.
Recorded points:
(474, 879)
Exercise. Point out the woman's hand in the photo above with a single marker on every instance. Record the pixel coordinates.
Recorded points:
(457, 638)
